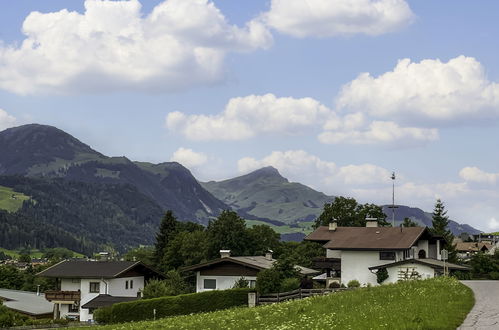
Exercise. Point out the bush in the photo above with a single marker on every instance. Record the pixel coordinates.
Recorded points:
(172, 285)
(494, 275)
(176, 305)
(334, 285)
(353, 284)
(289, 284)
(268, 281)
(241, 283)
(381, 275)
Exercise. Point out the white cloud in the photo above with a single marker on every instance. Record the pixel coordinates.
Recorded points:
(189, 158)
(493, 224)
(474, 174)
(382, 132)
(245, 117)
(6, 120)
(181, 43)
(327, 18)
(429, 92)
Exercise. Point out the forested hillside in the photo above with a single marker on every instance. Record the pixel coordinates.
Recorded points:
(79, 216)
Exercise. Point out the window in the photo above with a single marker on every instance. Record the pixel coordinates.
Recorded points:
(386, 255)
(131, 284)
(252, 284)
(73, 308)
(94, 287)
(407, 254)
(126, 285)
(210, 284)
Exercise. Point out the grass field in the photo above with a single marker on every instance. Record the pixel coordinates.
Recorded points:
(303, 227)
(34, 253)
(440, 303)
(11, 200)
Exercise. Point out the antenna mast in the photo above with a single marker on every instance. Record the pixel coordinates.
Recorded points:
(393, 207)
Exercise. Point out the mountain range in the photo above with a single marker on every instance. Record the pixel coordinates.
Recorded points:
(59, 171)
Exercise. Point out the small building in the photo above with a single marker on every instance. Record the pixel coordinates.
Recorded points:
(28, 303)
(466, 250)
(357, 253)
(222, 273)
(87, 285)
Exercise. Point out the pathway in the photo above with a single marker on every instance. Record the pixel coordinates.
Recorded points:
(485, 313)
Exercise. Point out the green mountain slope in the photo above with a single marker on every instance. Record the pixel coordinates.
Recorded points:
(265, 194)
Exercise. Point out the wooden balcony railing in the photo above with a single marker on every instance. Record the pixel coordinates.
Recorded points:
(62, 295)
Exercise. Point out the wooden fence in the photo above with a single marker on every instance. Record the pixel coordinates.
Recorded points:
(295, 294)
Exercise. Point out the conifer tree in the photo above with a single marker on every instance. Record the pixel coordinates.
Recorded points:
(440, 221)
(167, 230)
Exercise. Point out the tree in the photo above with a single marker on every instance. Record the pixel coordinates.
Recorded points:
(155, 289)
(409, 223)
(241, 283)
(58, 254)
(349, 213)
(167, 230)
(144, 254)
(440, 221)
(268, 281)
(262, 238)
(300, 253)
(186, 249)
(172, 285)
(227, 232)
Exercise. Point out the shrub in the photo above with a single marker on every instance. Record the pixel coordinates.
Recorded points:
(241, 283)
(334, 285)
(268, 281)
(289, 284)
(381, 275)
(172, 285)
(353, 284)
(174, 305)
(494, 275)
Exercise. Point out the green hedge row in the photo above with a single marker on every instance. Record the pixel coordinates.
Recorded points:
(172, 305)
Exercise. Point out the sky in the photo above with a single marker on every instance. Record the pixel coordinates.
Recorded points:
(335, 94)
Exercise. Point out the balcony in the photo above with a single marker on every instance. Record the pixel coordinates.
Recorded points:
(63, 296)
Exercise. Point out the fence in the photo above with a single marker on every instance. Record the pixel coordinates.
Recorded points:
(295, 294)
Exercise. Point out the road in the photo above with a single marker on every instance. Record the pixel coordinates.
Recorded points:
(485, 313)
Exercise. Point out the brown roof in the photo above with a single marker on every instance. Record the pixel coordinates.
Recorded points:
(368, 238)
(256, 262)
(472, 246)
(104, 300)
(433, 263)
(96, 269)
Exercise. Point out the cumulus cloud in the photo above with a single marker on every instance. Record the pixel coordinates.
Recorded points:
(309, 169)
(326, 18)
(428, 92)
(245, 117)
(382, 132)
(474, 174)
(6, 120)
(112, 45)
(189, 158)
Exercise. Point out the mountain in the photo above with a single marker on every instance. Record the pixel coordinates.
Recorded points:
(424, 219)
(45, 151)
(266, 195)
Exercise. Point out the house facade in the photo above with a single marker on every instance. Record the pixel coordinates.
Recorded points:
(222, 273)
(357, 253)
(87, 285)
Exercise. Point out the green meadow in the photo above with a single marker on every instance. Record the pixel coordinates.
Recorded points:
(11, 200)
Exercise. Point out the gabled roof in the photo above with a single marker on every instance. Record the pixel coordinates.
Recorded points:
(104, 300)
(96, 269)
(368, 238)
(472, 246)
(26, 302)
(255, 262)
(433, 263)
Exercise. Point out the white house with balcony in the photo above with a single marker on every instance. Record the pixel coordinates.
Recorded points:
(357, 253)
(87, 285)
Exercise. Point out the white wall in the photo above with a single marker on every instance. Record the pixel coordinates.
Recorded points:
(223, 282)
(333, 253)
(117, 286)
(423, 245)
(355, 266)
(423, 270)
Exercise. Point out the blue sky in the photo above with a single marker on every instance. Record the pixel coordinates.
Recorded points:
(335, 94)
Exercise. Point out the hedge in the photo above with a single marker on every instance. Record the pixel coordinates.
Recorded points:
(184, 304)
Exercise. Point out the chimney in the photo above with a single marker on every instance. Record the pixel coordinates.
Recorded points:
(268, 255)
(333, 225)
(371, 222)
(224, 253)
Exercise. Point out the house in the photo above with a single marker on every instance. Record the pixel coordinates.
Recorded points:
(357, 253)
(87, 285)
(222, 273)
(466, 250)
(32, 304)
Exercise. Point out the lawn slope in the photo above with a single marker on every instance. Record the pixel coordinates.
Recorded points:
(11, 200)
(440, 303)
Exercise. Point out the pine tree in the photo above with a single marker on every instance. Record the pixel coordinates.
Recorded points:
(167, 230)
(440, 221)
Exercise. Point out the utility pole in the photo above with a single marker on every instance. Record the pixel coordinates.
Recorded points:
(393, 207)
